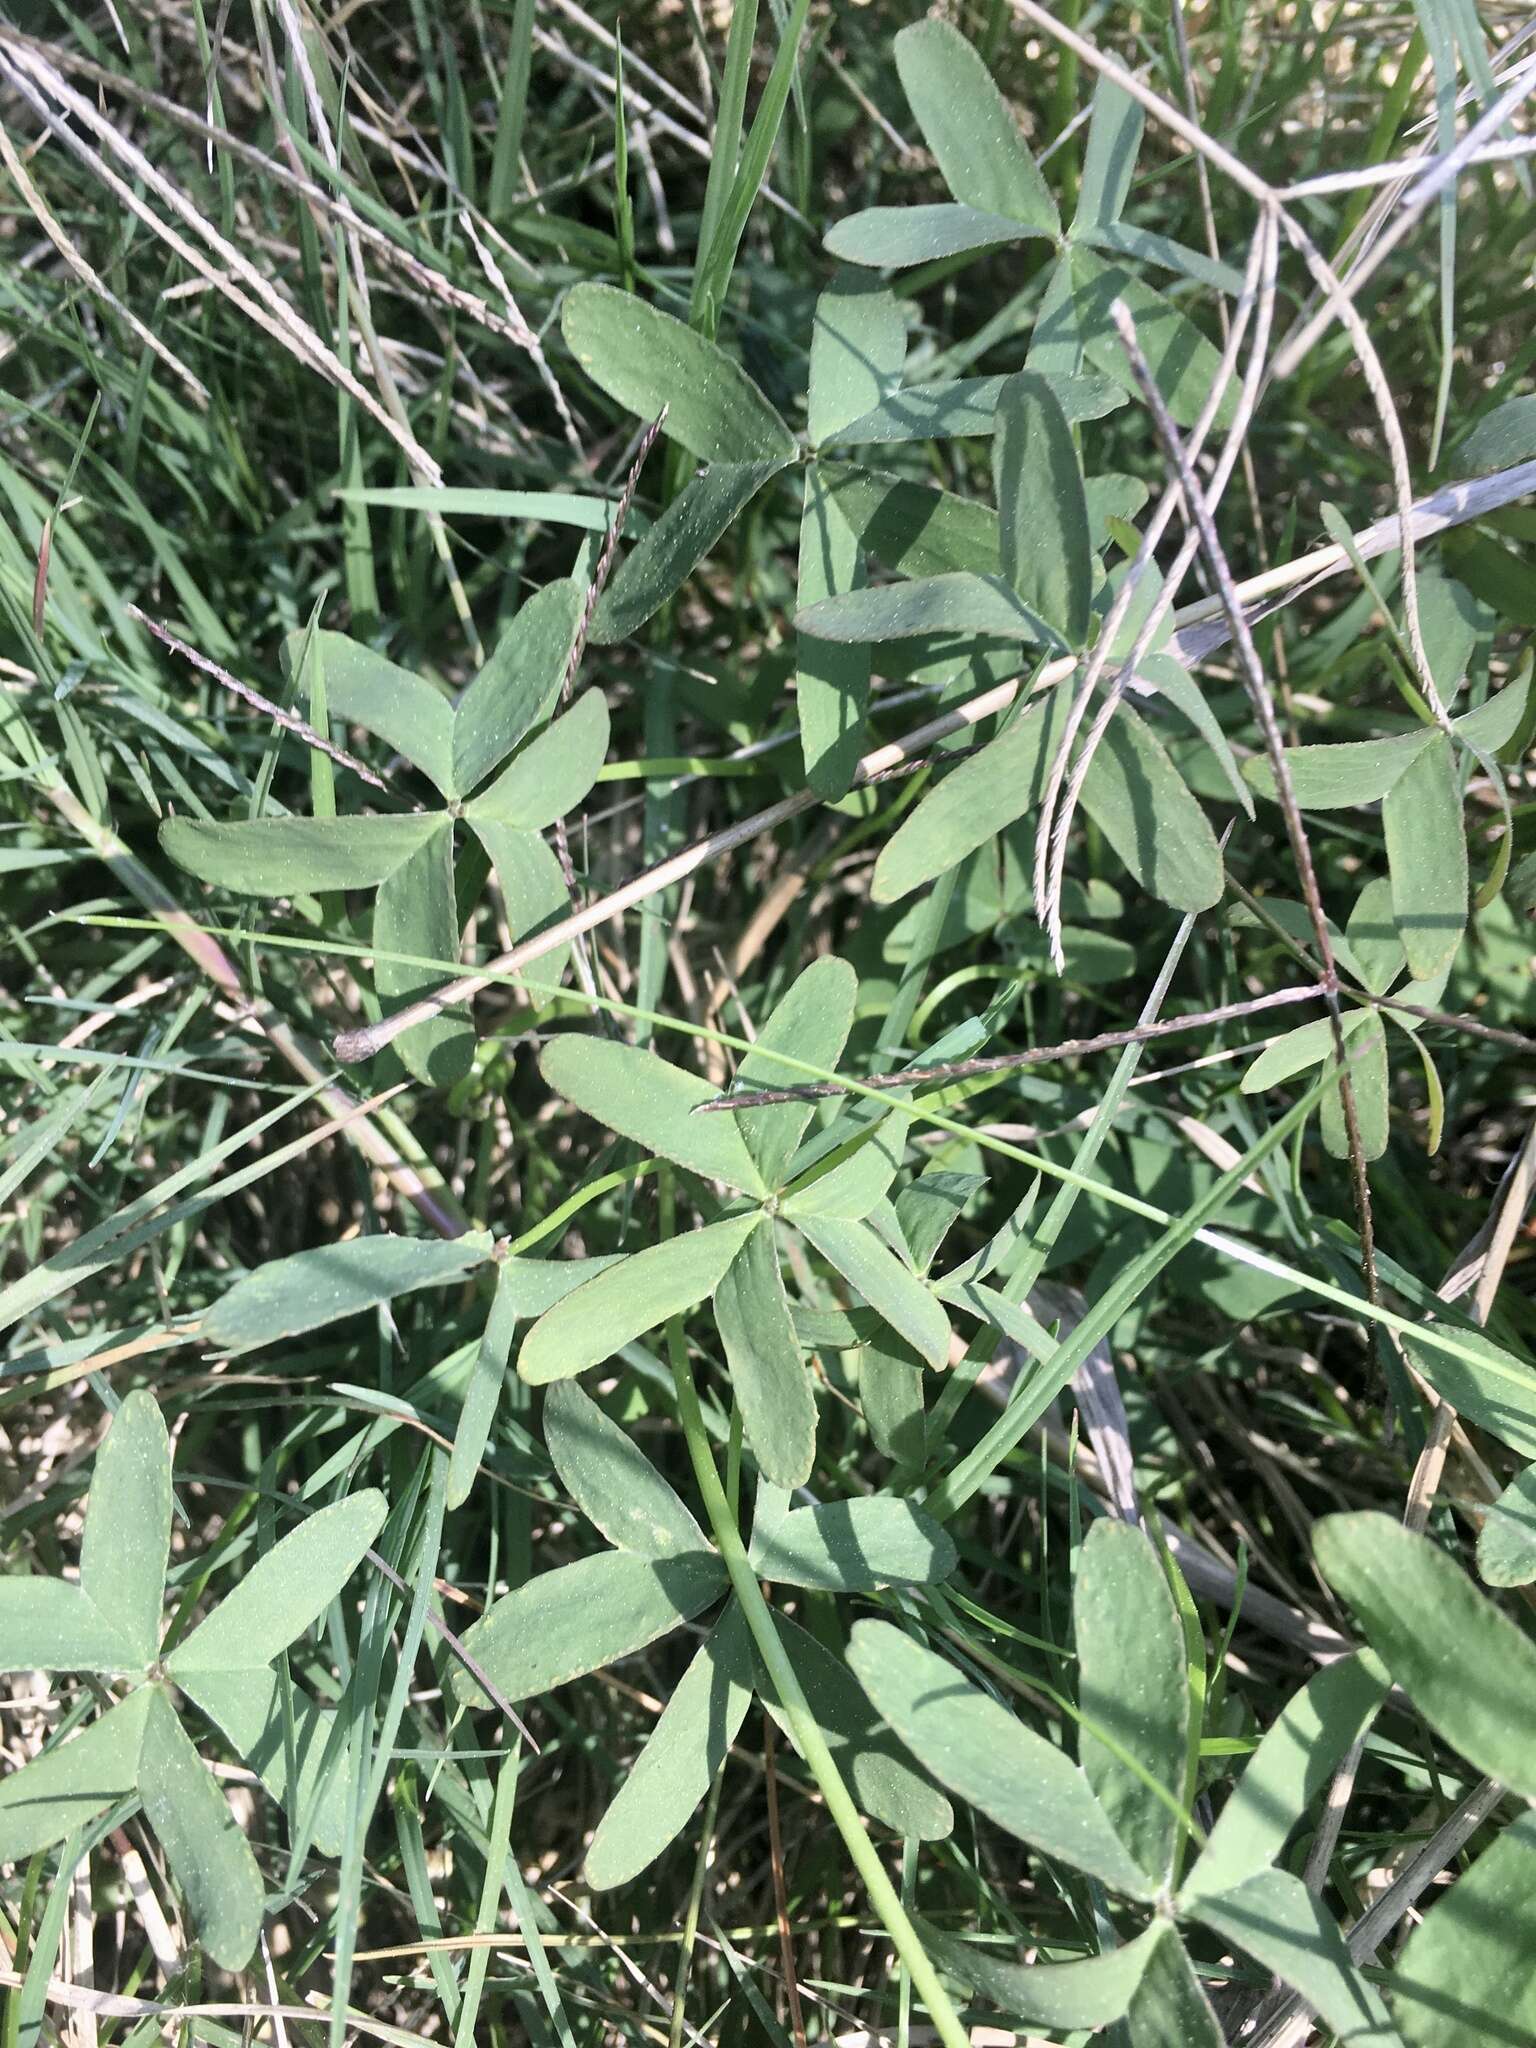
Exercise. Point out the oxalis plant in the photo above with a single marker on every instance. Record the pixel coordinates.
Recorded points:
(768, 1266)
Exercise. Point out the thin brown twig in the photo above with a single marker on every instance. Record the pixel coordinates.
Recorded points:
(288, 720)
(1036, 1055)
(1264, 711)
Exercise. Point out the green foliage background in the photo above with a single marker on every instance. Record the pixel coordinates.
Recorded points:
(653, 511)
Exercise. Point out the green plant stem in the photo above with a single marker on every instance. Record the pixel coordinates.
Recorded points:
(808, 1737)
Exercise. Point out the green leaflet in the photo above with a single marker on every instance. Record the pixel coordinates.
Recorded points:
(1183, 363)
(1484, 1382)
(286, 1297)
(1464, 1980)
(552, 774)
(687, 1746)
(583, 1616)
(51, 1625)
(768, 1378)
(1365, 1045)
(1132, 1688)
(914, 528)
(868, 1755)
(297, 856)
(1168, 2008)
(211, 1858)
(1276, 1920)
(810, 1022)
(363, 688)
(1506, 1543)
(533, 890)
(897, 237)
(1092, 1993)
(646, 360)
(973, 1745)
(858, 347)
(415, 915)
(1465, 1665)
(72, 1782)
(673, 548)
(846, 1169)
(990, 789)
(890, 1288)
(1313, 1730)
(478, 1414)
(285, 1590)
(891, 1394)
(1427, 856)
(954, 603)
(623, 1302)
(517, 686)
(1504, 437)
(1109, 162)
(612, 1481)
(968, 125)
(127, 1533)
(635, 1092)
(851, 1546)
(968, 406)
(1145, 809)
(247, 1707)
(1042, 510)
(1336, 777)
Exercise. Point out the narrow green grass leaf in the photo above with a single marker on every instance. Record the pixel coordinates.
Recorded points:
(644, 360)
(552, 773)
(127, 1535)
(209, 1856)
(614, 1307)
(517, 686)
(307, 1290)
(762, 1355)
(297, 856)
(642, 1096)
(415, 915)
(1427, 856)
(898, 237)
(1042, 510)
(670, 1777)
(584, 1616)
(1465, 1665)
(889, 1287)
(969, 126)
(673, 548)
(403, 709)
(285, 1590)
(984, 1754)
(852, 1546)
(478, 1414)
(68, 1785)
(612, 1481)
(866, 1752)
(1131, 1686)
(1464, 1977)
(551, 508)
